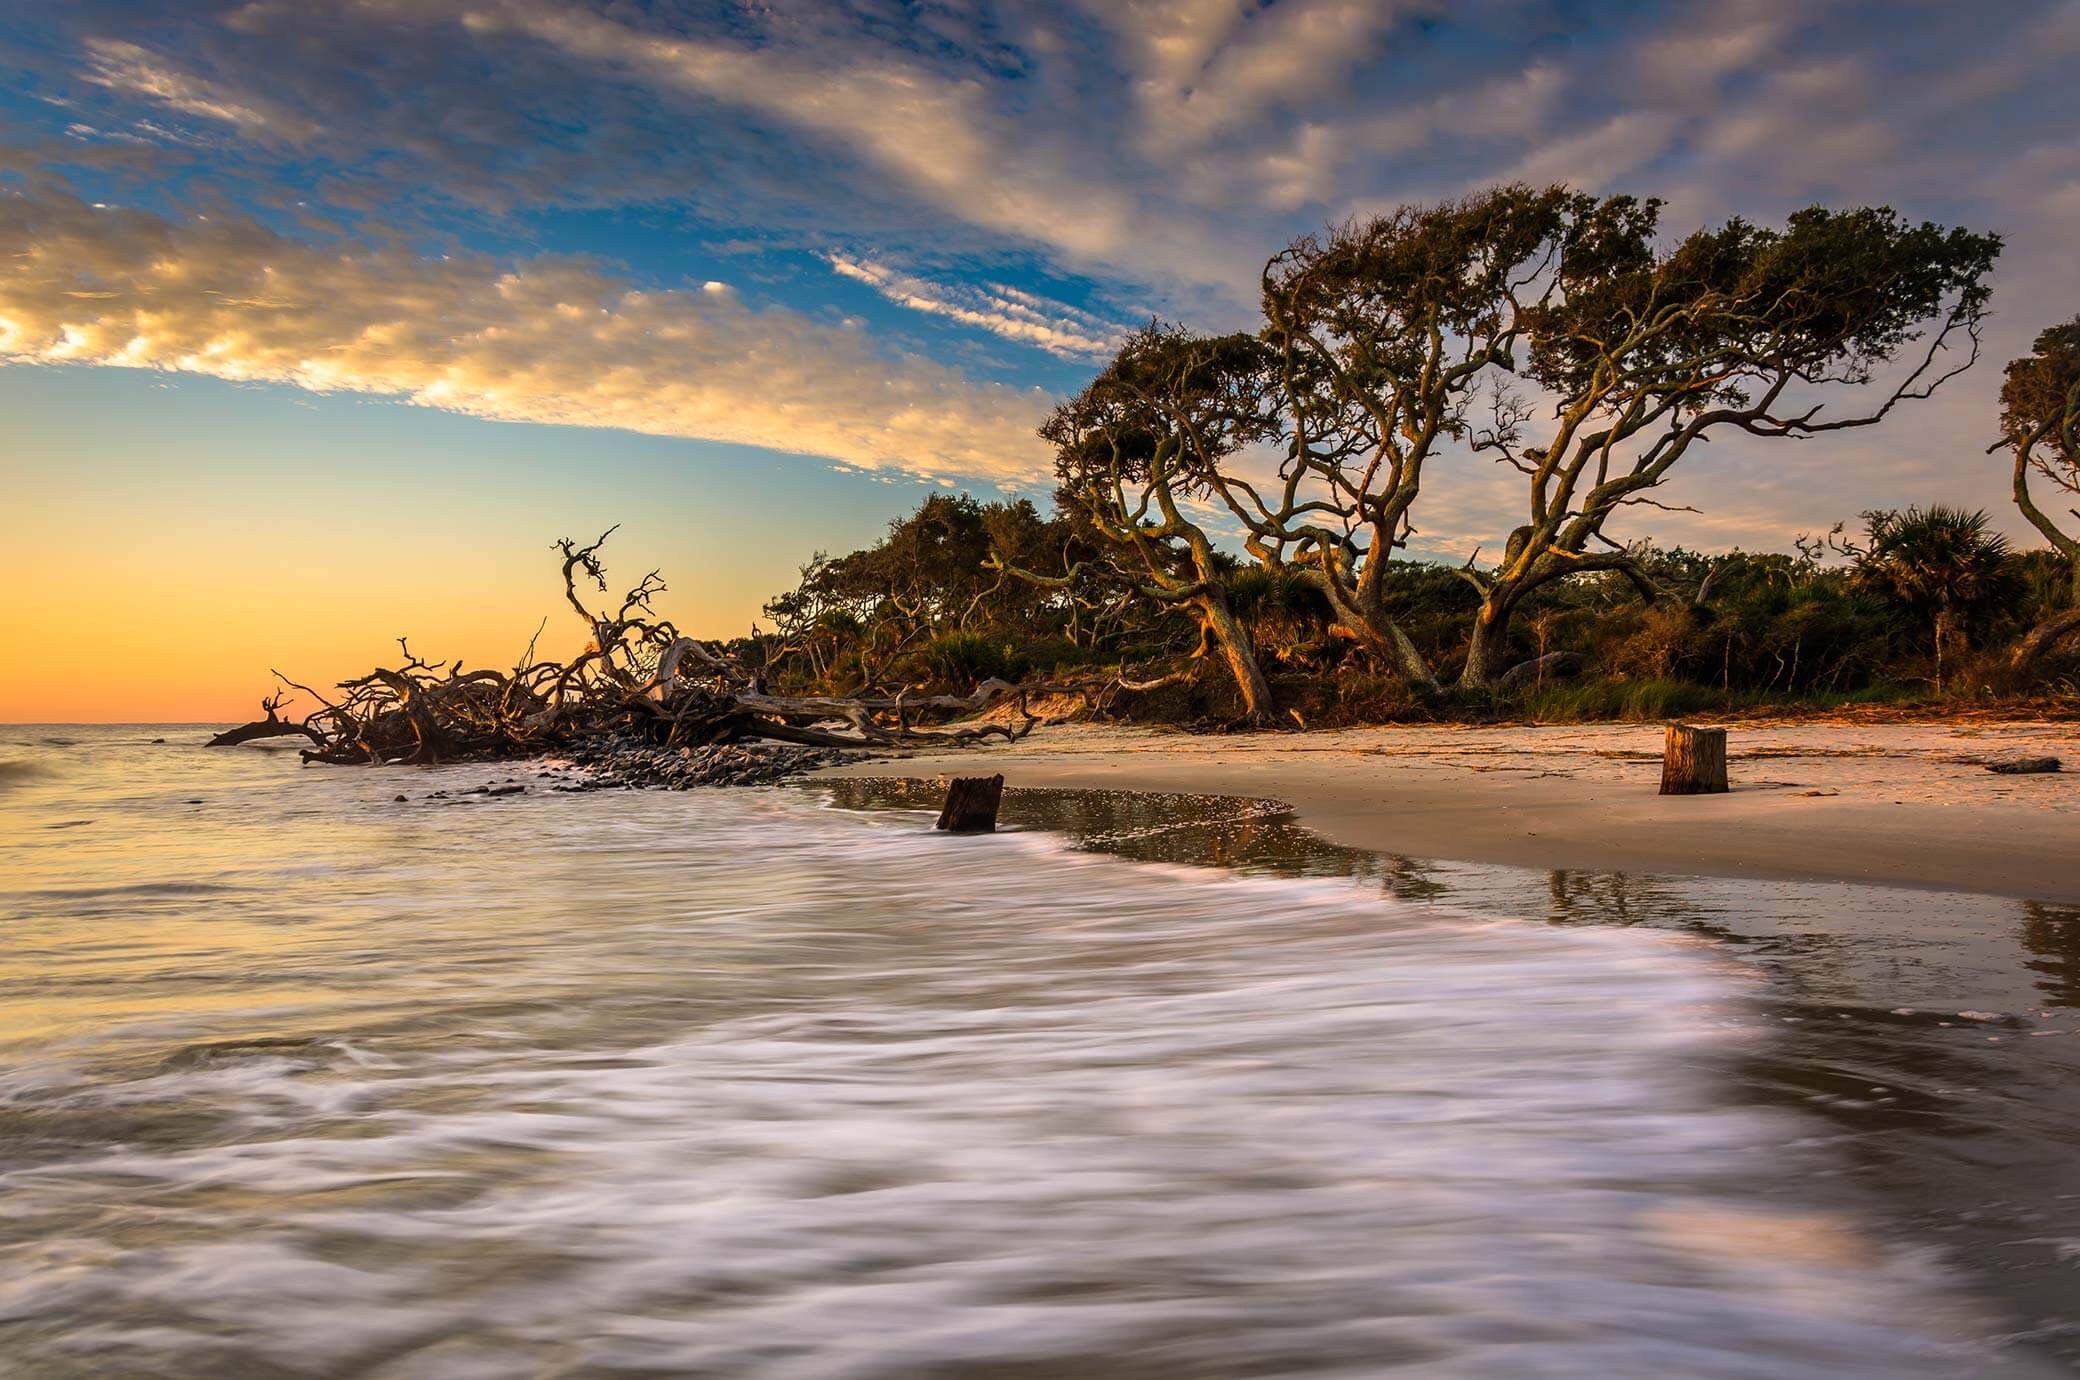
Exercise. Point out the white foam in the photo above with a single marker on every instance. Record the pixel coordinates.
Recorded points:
(729, 1085)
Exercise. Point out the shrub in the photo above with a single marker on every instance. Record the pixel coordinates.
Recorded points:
(966, 659)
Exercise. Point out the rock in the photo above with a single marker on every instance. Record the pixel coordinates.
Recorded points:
(2024, 766)
(634, 765)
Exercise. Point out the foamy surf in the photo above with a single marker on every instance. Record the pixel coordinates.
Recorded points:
(728, 1085)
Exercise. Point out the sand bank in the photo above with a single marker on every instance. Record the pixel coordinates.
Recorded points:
(1897, 804)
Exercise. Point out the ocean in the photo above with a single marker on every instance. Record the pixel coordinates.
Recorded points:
(314, 1072)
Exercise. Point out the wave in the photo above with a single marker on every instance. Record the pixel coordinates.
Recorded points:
(768, 1089)
(15, 771)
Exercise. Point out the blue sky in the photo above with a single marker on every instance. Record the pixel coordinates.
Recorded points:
(679, 264)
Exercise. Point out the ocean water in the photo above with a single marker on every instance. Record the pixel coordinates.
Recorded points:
(301, 1079)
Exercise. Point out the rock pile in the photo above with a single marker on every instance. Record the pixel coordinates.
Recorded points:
(634, 764)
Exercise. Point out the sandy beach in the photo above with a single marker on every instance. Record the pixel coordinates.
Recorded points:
(1898, 804)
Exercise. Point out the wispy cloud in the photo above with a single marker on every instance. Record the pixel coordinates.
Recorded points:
(553, 340)
(134, 71)
(998, 308)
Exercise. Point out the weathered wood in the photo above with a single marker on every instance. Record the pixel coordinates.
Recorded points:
(1693, 761)
(1536, 669)
(269, 727)
(637, 679)
(2024, 766)
(971, 805)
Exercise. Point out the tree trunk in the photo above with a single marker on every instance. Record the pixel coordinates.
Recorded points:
(1358, 613)
(971, 805)
(269, 727)
(1693, 761)
(1220, 620)
(2045, 635)
(1489, 646)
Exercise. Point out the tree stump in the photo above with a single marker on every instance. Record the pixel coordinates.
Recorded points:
(1694, 761)
(971, 805)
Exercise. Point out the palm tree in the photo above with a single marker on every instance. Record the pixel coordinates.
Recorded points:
(1939, 561)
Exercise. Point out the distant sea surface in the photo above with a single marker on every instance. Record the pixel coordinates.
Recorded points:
(300, 1079)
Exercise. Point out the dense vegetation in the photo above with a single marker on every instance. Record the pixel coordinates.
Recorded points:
(1229, 538)
(1916, 605)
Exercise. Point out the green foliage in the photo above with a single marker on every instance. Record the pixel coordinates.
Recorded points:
(1650, 701)
(1942, 563)
(2040, 396)
(1282, 597)
(1307, 444)
(962, 659)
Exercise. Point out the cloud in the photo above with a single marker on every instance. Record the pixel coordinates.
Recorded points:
(551, 340)
(127, 68)
(998, 308)
(1161, 149)
(948, 140)
(1202, 69)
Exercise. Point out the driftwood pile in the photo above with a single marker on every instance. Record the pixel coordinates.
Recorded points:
(639, 682)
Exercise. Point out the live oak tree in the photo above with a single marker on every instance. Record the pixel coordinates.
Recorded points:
(1140, 448)
(2040, 425)
(1380, 331)
(1641, 352)
(860, 613)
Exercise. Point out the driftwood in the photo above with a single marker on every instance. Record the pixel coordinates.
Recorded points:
(971, 805)
(273, 726)
(1538, 668)
(639, 677)
(2024, 766)
(1693, 761)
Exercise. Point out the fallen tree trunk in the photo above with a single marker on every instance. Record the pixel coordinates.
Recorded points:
(2043, 637)
(262, 728)
(1538, 668)
(272, 726)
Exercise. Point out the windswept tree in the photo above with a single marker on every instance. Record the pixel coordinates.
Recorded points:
(2040, 425)
(1140, 448)
(1642, 352)
(1380, 331)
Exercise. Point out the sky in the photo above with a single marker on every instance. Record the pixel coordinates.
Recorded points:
(320, 322)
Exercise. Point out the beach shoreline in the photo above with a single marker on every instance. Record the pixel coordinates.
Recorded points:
(1908, 805)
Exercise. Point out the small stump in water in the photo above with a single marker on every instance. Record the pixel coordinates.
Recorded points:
(1694, 761)
(971, 805)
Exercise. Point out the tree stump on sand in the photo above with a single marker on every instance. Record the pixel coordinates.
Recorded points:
(1694, 761)
(971, 805)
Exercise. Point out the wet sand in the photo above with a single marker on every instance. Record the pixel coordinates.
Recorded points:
(1895, 804)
